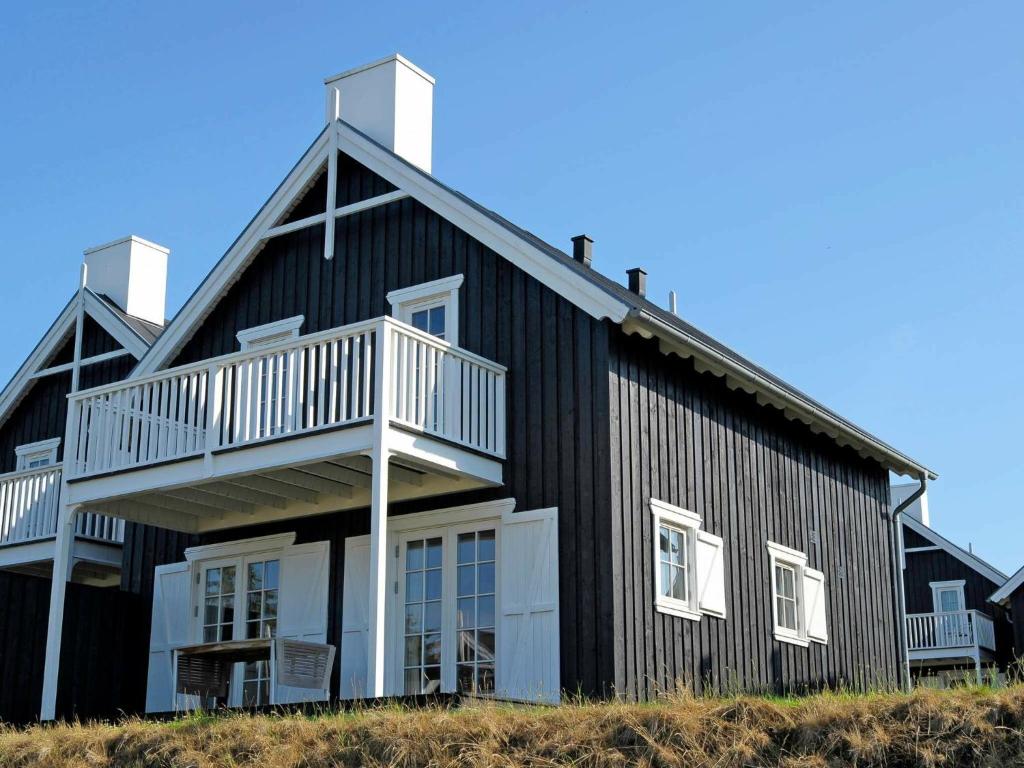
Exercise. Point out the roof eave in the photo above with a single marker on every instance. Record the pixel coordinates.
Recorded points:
(739, 376)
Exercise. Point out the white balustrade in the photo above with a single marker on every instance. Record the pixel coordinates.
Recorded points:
(310, 383)
(29, 504)
(956, 629)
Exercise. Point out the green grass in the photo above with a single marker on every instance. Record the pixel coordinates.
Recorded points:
(969, 726)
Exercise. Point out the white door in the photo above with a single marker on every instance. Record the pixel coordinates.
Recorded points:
(171, 600)
(952, 628)
(355, 617)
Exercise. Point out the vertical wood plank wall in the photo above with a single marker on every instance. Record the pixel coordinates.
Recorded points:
(557, 385)
(684, 437)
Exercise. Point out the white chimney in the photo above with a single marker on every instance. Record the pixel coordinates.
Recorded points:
(132, 273)
(391, 101)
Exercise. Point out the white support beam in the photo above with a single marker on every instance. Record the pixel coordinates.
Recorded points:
(313, 482)
(345, 210)
(380, 457)
(338, 474)
(87, 361)
(278, 488)
(55, 623)
(198, 496)
(293, 226)
(332, 191)
(236, 491)
(167, 503)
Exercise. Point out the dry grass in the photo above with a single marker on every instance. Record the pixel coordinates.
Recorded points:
(967, 727)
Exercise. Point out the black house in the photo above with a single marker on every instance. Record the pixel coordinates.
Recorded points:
(394, 444)
(952, 626)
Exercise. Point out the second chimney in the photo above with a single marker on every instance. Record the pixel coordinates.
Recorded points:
(132, 273)
(637, 281)
(583, 249)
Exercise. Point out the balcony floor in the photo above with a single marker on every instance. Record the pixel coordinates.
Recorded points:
(280, 478)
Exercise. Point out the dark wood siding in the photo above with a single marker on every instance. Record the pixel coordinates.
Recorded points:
(753, 476)
(1017, 611)
(24, 608)
(938, 565)
(557, 385)
(42, 412)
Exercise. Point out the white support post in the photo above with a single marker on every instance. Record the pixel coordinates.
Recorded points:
(379, 516)
(76, 366)
(332, 183)
(55, 626)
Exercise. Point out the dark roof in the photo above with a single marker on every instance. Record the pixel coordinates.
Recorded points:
(145, 330)
(640, 304)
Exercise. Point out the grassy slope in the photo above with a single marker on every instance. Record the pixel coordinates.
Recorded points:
(965, 727)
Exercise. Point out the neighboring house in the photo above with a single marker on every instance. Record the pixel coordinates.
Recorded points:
(97, 338)
(1010, 597)
(952, 628)
(391, 421)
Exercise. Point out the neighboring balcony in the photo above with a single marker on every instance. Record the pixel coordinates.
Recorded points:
(967, 635)
(29, 503)
(288, 430)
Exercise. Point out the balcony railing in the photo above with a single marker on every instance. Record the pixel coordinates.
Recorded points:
(303, 385)
(29, 502)
(958, 629)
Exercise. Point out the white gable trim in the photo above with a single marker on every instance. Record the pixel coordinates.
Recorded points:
(109, 321)
(968, 559)
(224, 274)
(559, 277)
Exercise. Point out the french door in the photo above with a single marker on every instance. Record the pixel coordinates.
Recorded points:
(446, 609)
(238, 600)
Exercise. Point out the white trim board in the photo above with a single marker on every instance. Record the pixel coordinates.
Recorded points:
(1002, 595)
(967, 558)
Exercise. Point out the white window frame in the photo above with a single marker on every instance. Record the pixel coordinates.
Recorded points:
(43, 449)
(779, 554)
(444, 292)
(270, 333)
(689, 523)
(938, 587)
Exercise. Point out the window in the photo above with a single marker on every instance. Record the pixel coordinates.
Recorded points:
(689, 575)
(423, 582)
(273, 371)
(261, 591)
(475, 612)
(431, 307)
(37, 455)
(948, 596)
(219, 606)
(798, 597)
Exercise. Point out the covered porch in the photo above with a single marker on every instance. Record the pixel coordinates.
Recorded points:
(354, 417)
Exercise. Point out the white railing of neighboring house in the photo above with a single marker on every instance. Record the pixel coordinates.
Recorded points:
(301, 385)
(29, 503)
(957, 629)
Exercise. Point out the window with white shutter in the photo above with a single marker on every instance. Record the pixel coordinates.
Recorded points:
(799, 600)
(689, 575)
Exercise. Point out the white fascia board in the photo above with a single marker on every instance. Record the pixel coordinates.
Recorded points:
(558, 277)
(224, 274)
(967, 558)
(112, 323)
(1002, 594)
(16, 387)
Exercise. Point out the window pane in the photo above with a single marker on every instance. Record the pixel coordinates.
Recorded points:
(666, 579)
(467, 646)
(485, 645)
(419, 320)
(270, 574)
(465, 678)
(437, 321)
(434, 553)
(431, 679)
(413, 655)
(414, 556)
(412, 681)
(466, 580)
(486, 545)
(433, 588)
(663, 538)
(255, 576)
(790, 614)
(678, 545)
(485, 678)
(485, 573)
(211, 614)
(431, 649)
(414, 586)
(485, 612)
(432, 617)
(254, 606)
(465, 613)
(270, 605)
(678, 583)
(413, 618)
(467, 547)
(228, 579)
(213, 581)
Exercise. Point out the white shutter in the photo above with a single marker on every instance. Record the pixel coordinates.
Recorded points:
(170, 629)
(710, 574)
(528, 665)
(302, 606)
(355, 617)
(814, 605)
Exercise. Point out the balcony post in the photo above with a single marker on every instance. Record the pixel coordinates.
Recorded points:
(379, 514)
(55, 625)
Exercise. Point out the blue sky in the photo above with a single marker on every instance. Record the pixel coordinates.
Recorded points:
(833, 188)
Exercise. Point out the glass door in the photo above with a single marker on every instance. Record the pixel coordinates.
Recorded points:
(447, 593)
(953, 628)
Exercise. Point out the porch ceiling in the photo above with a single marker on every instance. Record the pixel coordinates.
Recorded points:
(318, 487)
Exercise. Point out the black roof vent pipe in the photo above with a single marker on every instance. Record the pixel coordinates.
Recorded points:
(583, 249)
(637, 281)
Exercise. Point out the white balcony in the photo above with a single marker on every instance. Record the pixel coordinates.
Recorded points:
(950, 636)
(29, 503)
(288, 429)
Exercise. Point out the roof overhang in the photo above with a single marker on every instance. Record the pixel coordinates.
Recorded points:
(739, 376)
(1002, 595)
(967, 558)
